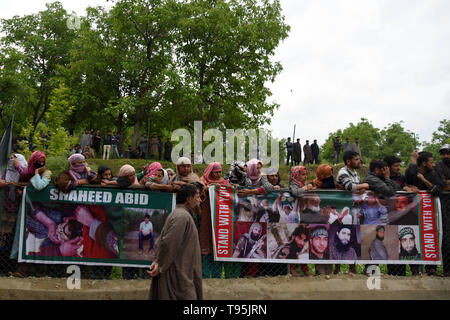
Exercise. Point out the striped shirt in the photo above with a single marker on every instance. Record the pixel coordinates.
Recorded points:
(348, 178)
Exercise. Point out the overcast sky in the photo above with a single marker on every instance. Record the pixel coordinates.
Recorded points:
(384, 60)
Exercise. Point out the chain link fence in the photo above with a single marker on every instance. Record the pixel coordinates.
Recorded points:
(211, 268)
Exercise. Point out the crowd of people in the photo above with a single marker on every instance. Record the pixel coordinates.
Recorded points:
(384, 178)
(311, 152)
(95, 145)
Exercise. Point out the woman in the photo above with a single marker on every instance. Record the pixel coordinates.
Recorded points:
(268, 183)
(170, 173)
(104, 176)
(324, 177)
(148, 171)
(254, 171)
(37, 160)
(127, 177)
(159, 181)
(213, 175)
(79, 171)
(210, 268)
(297, 181)
(184, 174)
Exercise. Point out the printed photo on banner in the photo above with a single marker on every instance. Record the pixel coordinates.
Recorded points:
(319, 246)
(142, 228)
(287, 241)
(250, 240)
(402, 209)
(275, 207)
(409, 244)
(372, 208)
(71, 230)
(319, 208)
(345, 242)
(379, 242)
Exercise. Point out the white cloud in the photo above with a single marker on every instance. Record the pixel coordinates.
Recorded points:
(383, 60)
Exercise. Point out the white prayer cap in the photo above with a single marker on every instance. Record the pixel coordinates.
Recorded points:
(183, 160)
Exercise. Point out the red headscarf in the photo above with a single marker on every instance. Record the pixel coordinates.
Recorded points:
(206, 178)
(153, 168)
(295, 174)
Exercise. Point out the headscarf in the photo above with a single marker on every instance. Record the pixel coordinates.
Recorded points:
(190, 177)
(165, 179)
(153, 168)
(35, 156)
(127, 170)
(271, 171)
(22, 161)
(170, 170)
(323, 172)
(252, 171)
(213, 166)
(295, 174)
(80, 168)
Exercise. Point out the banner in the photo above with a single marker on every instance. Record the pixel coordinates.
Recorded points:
(325, 227)
(92, 226)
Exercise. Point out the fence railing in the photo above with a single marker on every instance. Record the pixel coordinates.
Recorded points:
(211, 268)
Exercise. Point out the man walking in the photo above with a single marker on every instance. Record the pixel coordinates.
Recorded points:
(177, 268)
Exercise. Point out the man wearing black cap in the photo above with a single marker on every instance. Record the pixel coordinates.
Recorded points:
(408, 249)
(319, 249)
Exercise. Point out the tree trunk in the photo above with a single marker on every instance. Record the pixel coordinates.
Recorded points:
(140, 114)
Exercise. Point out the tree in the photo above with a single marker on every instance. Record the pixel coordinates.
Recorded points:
(40, 43)
(369, 140)
(223, 55)
(395, 140)
(440, 137)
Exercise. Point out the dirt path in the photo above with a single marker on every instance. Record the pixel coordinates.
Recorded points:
(262, 288)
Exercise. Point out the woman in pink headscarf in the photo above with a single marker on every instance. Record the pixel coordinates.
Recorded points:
(153, 168)
(254, 170)
(79, 171)
(37, 160)
(213, 175)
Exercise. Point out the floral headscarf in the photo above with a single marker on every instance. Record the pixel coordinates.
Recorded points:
(153, 168)
(295, 174)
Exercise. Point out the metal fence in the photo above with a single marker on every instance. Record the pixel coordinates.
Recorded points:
(211, 268)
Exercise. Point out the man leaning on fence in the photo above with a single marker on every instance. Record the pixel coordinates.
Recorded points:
(421, 174)
(443, 170)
